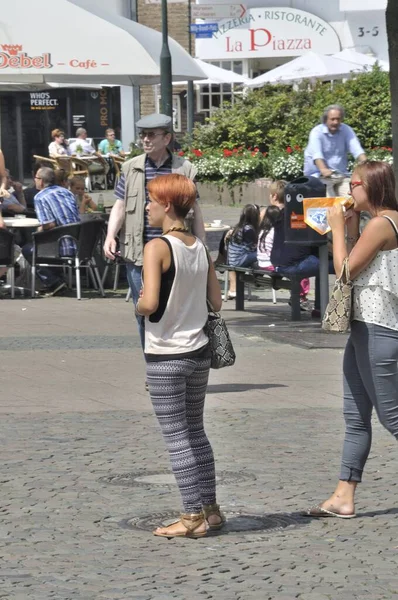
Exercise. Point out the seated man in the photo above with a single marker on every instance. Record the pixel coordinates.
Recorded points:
(294, 259)
(55, 206)
(31, 191)
(81, 145)
(13, 200)
(110, 145)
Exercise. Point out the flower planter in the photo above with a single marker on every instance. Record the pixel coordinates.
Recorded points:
(256, 192)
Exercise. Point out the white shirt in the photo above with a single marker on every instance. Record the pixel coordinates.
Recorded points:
(375, 291)
(55, 150)
(180, 329)
(264, 249)
(86, 147)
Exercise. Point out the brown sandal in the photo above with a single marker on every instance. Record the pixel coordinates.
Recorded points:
(213, 509)
(191, 523)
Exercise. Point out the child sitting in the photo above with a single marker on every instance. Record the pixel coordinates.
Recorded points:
(242, 243)
(84, 201)
(271, 216)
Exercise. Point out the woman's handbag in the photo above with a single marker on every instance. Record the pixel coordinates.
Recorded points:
(338, 312)
(221, 350)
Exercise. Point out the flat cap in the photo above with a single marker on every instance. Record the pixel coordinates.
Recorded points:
(155, 121)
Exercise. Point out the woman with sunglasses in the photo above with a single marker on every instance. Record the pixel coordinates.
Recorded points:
(59, 146)
(178, 277)
(371, 354)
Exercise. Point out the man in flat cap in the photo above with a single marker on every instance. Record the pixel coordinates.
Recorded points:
(128, 213)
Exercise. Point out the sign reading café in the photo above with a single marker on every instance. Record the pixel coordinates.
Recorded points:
(265, 32)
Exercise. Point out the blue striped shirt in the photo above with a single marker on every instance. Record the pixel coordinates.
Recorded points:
(151, 171)
(242, 243)
(56, 204)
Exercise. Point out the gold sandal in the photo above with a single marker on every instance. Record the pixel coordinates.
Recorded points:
(191, 523)
(213, 509)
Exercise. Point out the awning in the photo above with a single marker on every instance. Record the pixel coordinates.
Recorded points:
(61, 41)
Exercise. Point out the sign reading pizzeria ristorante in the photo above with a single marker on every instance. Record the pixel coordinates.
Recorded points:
(264, 32)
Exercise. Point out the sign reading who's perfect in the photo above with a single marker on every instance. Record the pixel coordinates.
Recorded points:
(270, 32)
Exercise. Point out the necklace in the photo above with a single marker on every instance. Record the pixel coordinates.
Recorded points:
(174, 228)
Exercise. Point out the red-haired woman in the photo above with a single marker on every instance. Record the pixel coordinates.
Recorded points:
(371, 355)
(59, 146)
(178, 278)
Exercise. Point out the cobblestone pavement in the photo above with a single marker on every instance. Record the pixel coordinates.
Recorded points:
(84, 474)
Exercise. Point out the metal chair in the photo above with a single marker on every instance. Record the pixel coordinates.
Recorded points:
(47, 251)
(7, 255)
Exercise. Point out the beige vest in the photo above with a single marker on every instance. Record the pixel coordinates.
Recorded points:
(132, 232)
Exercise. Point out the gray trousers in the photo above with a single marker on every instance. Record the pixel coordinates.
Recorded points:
(370, 381)
(178, 390)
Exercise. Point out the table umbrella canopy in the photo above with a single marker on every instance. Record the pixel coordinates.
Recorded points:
(72, 41)
(307, 66)
(216, 75)
(366, 61)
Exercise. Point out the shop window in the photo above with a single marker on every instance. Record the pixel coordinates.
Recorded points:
(211, 97)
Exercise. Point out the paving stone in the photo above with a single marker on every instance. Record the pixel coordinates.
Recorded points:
(74, 415)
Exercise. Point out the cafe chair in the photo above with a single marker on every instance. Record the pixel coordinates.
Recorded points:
(74, 166)
(47, 251)
(51, 161)
(117, 163)
(7, 256)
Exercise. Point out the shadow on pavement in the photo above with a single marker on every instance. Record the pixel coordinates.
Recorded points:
(241, 387)
(254, 523)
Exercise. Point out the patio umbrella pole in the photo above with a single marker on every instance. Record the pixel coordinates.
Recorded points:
(165, 67)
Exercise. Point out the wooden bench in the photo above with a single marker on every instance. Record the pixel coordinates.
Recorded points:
(261, 279)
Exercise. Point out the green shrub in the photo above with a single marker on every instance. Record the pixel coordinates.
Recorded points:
(276, 116)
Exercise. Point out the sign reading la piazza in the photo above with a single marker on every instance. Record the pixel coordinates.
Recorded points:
(264, 32)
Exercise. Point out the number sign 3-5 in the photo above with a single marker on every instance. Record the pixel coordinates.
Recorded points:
(362, 31)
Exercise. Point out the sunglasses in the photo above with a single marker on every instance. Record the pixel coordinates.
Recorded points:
(149, 134)
(354, 184)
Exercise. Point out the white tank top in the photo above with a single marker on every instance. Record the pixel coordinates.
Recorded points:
(180, 329)
(375, 290)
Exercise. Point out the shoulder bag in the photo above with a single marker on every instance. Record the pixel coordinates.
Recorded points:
(221, 349)
(337, 315)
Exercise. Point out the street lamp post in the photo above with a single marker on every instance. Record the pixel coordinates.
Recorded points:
(165, 67)
(190, 92)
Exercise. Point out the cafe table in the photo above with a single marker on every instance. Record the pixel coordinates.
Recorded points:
(14, 223)
(20, 221)
(210, 228)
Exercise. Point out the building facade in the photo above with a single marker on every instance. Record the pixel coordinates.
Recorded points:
(262, 34)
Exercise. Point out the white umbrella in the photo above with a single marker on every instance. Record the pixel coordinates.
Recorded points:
(359, 58)
(72, 41)
(216, 75)
(307, 66)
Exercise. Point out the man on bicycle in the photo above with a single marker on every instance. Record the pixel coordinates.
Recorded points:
(326, 155)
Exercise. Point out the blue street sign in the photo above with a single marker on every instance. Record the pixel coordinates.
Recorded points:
(203, 28)
(200, 36)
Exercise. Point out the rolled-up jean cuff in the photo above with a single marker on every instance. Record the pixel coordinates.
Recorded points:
(350, 474)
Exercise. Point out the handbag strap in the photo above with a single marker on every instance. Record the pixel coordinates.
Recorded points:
(345, 271)
(211, 309)
(209, 305)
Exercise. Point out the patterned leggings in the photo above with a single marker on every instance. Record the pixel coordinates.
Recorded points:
(178, 389)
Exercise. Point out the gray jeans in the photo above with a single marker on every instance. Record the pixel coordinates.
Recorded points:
(370, 381)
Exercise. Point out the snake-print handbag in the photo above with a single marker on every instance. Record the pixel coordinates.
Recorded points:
(337, 315)
(221, 349)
